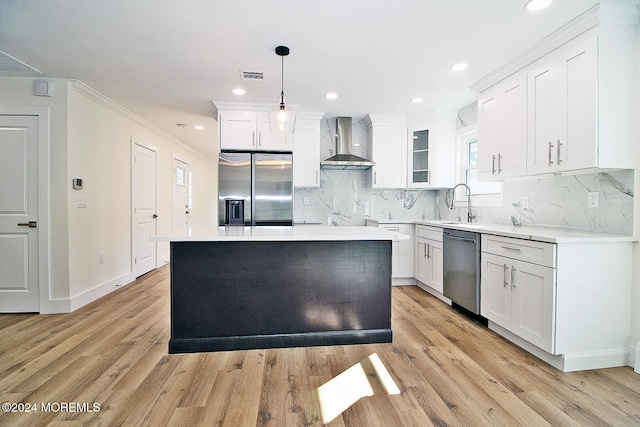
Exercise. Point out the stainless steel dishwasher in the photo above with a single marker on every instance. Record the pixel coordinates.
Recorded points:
(461, 263)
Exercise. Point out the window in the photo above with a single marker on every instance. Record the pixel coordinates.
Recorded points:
(190, 191)
(483, 192)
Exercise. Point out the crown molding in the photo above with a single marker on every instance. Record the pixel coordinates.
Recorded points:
(110, 104)
(607, 15)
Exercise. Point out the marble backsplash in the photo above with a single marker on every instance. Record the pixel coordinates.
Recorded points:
(345, 199)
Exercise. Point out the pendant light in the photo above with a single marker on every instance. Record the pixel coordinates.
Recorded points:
(281, 117)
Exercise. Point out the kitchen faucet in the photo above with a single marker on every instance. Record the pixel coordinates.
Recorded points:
(470, 216)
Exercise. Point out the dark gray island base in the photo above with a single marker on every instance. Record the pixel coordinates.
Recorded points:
(236, 295)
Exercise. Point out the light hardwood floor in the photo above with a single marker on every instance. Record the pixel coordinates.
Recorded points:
(450, 371)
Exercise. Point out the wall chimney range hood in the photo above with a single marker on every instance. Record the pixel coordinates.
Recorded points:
(344, 158)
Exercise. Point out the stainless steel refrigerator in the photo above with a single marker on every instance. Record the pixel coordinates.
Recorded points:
(255, 188)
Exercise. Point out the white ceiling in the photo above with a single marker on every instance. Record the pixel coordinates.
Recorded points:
(166, 60)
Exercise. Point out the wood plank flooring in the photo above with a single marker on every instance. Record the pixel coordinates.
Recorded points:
(450, 371)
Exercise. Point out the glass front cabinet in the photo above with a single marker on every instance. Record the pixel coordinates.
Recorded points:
(431, 141)
(419, 151)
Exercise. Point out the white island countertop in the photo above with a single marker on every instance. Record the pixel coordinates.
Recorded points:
(282, 233)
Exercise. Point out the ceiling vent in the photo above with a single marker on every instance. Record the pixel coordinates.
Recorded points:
(251, 75)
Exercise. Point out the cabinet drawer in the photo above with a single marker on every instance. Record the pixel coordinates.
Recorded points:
(433, 233)
(525, 250)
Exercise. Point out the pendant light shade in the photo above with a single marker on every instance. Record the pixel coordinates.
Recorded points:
(282, 118)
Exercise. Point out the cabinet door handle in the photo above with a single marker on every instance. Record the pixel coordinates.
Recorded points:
(499, 163)
(317, 173)
(558, 159)
(428, 250)
(550, 149)
(375, 177)
(425, 251)
(510, 249)
(506, 275)
(253, 138)
(493, 164)
(260, 139)
(513, 277)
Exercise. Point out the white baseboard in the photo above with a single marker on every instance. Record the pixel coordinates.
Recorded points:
(433, 292)
(67, 305)
(608, 358)
(403, 281)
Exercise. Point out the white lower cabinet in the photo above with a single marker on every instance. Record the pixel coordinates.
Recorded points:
(428, 257)
(568, 299)
(517, 288)
(519, 296)
(402, 251)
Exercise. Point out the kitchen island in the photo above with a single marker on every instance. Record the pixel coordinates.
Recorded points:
(262, 287)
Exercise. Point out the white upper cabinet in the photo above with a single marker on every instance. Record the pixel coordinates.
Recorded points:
(502, 130)
(387, 144)
(412, 152)
(431, 150)
(563, 108)
(237, 130)
(573, 94)
(306, 152)
(249, 130)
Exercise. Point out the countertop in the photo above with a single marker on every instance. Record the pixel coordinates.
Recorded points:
(295, 233)
(550, 234)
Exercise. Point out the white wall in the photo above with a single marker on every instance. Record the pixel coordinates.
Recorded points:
(18, 92)
(635, 291)
(90, 138)
(99, 151)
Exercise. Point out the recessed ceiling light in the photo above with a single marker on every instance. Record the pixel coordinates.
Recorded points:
(199, 127)
(331, 95)
(533, 5)
(460, 66)
(238, 91)
(417, 100)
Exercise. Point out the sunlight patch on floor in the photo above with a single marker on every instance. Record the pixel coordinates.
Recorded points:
(363, 379)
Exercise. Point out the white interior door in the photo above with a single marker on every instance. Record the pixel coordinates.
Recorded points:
(144, 198)
(181, 177)
(18, 214)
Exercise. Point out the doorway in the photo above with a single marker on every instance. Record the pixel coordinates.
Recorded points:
(19, 237)
(181, 197)
(144, 208)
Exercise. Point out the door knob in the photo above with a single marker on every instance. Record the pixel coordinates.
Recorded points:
(155, 216)
(187, 212)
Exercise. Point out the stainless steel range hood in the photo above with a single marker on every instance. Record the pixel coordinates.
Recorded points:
(344, 158)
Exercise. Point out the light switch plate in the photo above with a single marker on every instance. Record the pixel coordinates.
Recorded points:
(81, 202)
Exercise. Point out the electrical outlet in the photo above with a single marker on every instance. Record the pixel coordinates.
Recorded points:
(525, 202)
(305, 201)
(81, 202)
(592, 199)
